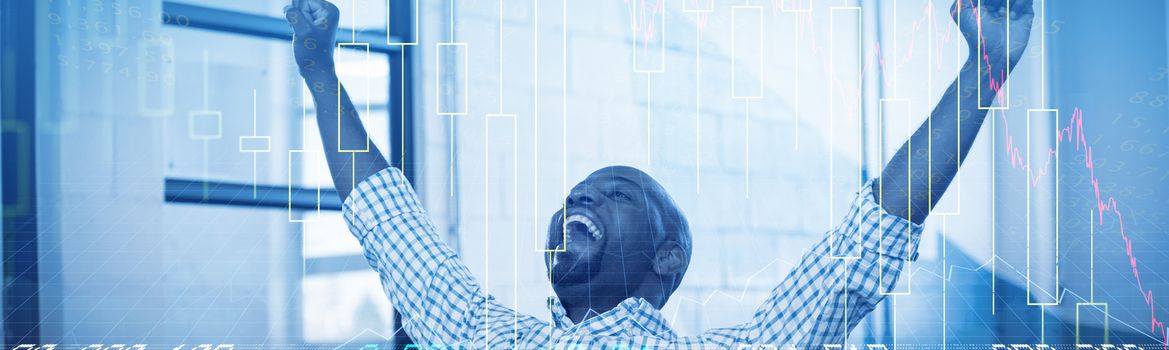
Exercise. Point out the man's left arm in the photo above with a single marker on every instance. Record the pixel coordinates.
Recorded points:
(846, 274)
(921, 170)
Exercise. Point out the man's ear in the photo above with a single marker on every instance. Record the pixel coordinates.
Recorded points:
(670, 259)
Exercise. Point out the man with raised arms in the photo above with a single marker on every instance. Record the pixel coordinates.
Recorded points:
(625, 245)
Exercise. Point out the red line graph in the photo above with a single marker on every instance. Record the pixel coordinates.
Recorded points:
(1073, 133)
(643, 20)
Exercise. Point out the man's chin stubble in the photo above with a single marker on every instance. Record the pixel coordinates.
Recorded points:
(578, 272)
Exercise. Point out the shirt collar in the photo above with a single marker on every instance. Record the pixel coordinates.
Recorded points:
(559, 315)
(633, 309)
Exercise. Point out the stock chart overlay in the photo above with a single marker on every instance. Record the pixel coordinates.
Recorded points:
(569, 174)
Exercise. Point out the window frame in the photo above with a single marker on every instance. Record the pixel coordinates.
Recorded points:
(296, 198)
(22, 289)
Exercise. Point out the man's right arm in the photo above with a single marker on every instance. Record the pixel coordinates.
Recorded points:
(439, 299)
(314, 25)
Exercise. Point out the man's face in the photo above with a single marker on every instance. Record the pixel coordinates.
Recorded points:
(605, 237)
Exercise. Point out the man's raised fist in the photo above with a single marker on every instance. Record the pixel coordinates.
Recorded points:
(314, 29)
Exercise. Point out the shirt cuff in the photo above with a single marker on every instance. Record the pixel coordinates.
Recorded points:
(377, 199)
(879, 231)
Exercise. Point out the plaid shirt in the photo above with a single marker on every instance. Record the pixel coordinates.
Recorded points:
(837, 282)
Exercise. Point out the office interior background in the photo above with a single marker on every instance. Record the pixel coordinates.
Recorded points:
(162, 179)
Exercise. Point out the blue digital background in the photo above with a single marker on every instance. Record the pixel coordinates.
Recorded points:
(126, 222)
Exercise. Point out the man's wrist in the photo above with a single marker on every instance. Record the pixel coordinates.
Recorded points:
(990, 75)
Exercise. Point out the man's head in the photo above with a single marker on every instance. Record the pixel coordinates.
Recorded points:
(619, 236)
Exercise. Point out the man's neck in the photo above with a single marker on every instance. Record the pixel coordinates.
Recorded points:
(580, 309)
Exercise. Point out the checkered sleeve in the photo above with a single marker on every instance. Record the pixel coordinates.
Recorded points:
(872, 229)
(438, 298)
(836, 283)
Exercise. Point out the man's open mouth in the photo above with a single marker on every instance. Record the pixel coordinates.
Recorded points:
(581, 228)
(578, 223)
(577, 242)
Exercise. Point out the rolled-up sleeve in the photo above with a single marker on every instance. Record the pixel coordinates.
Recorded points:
(836, 283)
(379, 199)
(877, 230)
(425, 281)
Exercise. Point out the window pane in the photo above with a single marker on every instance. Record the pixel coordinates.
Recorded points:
(328, 236)
(216, 75)
(224, 271)
(216, 127)
(347, 306)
